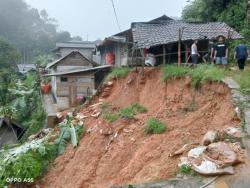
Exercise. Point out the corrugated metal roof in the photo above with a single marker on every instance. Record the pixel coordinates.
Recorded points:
(77, 45)
(153, 34)
(24, 68)
(79, 70)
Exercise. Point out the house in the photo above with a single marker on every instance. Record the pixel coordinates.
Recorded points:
(73, 76)
(165, 38)
(86, 48)
(10, 132)
(25, 68)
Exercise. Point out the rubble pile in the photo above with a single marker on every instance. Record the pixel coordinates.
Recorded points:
(217, 153)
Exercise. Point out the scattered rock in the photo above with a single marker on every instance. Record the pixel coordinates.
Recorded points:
(210, 137)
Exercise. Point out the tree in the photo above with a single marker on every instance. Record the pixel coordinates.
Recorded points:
(9, 55)
(33, 32)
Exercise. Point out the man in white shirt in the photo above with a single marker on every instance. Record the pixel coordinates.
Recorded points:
(194, 52)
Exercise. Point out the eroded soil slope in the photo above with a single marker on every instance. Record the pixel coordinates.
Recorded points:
(120, 153)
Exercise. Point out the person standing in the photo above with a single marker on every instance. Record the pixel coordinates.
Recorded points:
(194, 52)
(240, 55)
(221, 52)
(208, 57)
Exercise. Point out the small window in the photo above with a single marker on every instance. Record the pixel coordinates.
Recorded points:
(64, 79)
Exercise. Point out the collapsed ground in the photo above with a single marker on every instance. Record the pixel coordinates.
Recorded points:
(120, 152)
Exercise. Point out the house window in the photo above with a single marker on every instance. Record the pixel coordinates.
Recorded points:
(64, 79)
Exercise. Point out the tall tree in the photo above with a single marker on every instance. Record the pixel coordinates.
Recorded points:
(33, 32)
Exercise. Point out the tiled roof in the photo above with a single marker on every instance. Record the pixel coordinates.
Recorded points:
(154, 34)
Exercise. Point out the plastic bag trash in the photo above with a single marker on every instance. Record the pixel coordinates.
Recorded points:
(210, 168)
(233, 131)
(221, 154)
(210, 137)
(196, 152)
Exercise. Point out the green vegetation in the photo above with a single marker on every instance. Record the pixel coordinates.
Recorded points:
(8, 54)
(68, 131)
(118, 73)
(111, 117)
(139, 108)
(154, 126)
(173, 72)
(185, 169)
(232, 12)
(243, 78)
(200, 74)
(127, 113)
(29, 166)
(130, 111)
(203, 73)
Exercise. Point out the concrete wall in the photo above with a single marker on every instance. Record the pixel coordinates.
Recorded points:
(120, 51)
(76, 85)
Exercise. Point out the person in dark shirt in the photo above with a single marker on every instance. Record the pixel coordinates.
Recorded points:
(221, 52)
(209, 55)
(240, 55)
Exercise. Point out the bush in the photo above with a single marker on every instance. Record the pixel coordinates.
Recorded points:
(173, 71)
(29, 166)
(118, 73)
(111, 117)
(154, 126)
(128, 113)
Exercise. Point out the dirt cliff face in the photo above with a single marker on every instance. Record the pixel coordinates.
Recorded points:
(120, 153)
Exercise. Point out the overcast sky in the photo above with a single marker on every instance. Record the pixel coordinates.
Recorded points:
(95, 19)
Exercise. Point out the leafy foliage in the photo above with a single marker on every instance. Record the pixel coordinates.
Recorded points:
(68, 131)
(32, 32)
(243, 78)
(154, 126)
(8, 54)
(29, 165)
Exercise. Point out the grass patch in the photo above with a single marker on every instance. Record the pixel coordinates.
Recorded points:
(243, 79)
(118, 73)
(154, 126)
(132, 110)
(111, 117)
(200, 74)
(187, 170)
(127, 113)
(203, 73)
(173, 71)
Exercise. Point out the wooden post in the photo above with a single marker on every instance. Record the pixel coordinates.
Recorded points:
(164, 55)
(179, 48)
(186, 53)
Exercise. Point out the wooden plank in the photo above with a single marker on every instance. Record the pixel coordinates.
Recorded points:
(164, 54)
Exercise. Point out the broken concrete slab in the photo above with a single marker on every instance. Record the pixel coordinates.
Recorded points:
(231, 83)
(247, 120)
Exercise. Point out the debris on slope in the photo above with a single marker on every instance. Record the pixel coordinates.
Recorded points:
(215, 157)
(118, 153)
